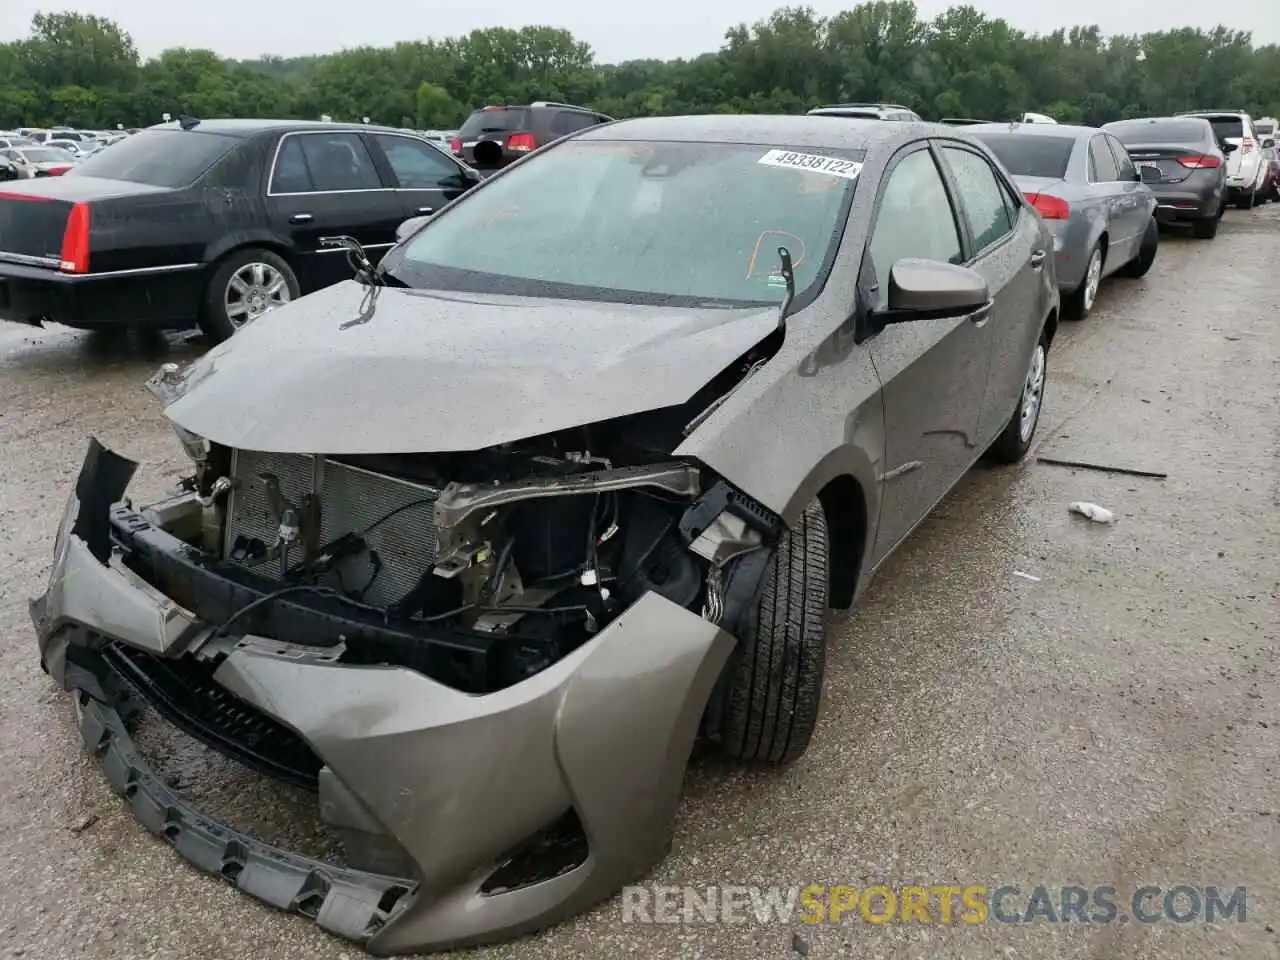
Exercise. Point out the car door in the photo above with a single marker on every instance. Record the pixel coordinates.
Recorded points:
(425, 179)
(1140, 202)
(1008, 249)
(933, 372)
(325, 183)
(1104, 184)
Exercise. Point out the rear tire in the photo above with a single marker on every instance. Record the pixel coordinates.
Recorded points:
(1205, 228)
(773, 682)
(1139, 265)
(1020, 432)
(1079, 302)
(217, 319)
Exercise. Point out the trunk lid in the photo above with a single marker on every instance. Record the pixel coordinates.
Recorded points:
(35, 213)
(1164, 157)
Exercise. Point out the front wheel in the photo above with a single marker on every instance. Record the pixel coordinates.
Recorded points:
(1139, 265)
(246, 285)
(773, 682)
(1015, 440)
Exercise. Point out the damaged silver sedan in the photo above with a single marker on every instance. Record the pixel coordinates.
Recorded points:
(477, 545)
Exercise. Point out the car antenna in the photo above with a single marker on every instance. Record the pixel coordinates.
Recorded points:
(788, 273)
(188, 123)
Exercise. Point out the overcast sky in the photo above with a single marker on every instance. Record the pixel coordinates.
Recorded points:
(619, 31)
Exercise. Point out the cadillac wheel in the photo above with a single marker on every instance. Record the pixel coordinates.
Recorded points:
(244, 286)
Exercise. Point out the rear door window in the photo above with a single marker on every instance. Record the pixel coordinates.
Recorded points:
(1102, 165)
(981, 196)
(159, 158)
(569, 121)
(337, 162)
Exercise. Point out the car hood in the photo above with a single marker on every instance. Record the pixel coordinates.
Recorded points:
(359, 370)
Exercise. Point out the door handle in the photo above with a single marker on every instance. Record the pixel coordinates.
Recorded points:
(1037, 260)
(426, 211)
(300, 218)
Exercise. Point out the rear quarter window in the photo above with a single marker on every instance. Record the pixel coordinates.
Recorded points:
(159, 158)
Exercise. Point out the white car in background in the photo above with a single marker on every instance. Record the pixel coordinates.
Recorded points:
(1246, 167)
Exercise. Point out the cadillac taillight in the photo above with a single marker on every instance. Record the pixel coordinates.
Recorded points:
(75, 241)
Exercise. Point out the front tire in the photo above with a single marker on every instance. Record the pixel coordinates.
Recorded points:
(246, 285)
(1019, 433)
(774, 678)
(1139, 265)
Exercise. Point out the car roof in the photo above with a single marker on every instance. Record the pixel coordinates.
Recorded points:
(1065, 131)
(248, 128)
(853, 133)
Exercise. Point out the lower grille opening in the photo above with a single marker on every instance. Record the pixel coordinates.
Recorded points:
(184, 693)
(550, 853)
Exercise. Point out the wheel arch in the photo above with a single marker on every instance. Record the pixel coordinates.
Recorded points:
(845, 504)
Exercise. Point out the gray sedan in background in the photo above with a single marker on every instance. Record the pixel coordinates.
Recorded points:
(1086, 188)
(1189, 167)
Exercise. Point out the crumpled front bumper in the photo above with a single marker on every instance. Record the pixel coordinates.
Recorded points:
(454, 781)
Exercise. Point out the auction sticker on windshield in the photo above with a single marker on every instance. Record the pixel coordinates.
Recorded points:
(812, 162)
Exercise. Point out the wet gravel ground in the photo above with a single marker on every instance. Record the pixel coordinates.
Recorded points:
(1114, 721)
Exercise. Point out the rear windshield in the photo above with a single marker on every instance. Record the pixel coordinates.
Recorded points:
(1226, 126)
(1265, 129)
(160, 158)
(501, 120)
(693, 224)
(1158, 131)
(1031, 156)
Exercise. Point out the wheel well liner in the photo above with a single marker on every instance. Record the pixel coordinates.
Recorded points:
(845, 505)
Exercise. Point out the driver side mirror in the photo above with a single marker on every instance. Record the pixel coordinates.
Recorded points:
(931, 290)
(1268, 143)
(410, 227)
(1229, 147)
(1149, 174)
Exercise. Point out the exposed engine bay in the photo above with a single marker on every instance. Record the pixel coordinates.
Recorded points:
(503, 560)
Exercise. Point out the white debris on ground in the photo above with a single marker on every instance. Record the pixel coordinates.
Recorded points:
(1092, 511)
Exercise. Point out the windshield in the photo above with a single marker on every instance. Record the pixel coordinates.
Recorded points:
(1029, 155)
(494, 120)
(46, 155)
(1159, 131)
(159, 158)
(642, 222)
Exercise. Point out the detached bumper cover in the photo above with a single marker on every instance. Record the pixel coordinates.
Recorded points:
(453, 781)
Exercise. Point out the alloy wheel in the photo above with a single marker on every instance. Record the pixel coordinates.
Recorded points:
(253, 290)
(1032, 395)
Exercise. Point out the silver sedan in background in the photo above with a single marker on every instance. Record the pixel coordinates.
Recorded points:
(1086, 188)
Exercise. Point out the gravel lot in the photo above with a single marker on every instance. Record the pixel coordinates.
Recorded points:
(1115, 721)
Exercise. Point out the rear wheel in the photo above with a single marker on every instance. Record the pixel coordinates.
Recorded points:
(1015, 440)
(1077, 304)
(245, 285)
(773, 683)
(1139, 265)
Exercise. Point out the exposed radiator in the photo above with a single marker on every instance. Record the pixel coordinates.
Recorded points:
(351, 500)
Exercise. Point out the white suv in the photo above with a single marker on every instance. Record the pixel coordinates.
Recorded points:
(1246, 168)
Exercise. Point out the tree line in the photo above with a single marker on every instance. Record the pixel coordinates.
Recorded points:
(85, 71)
